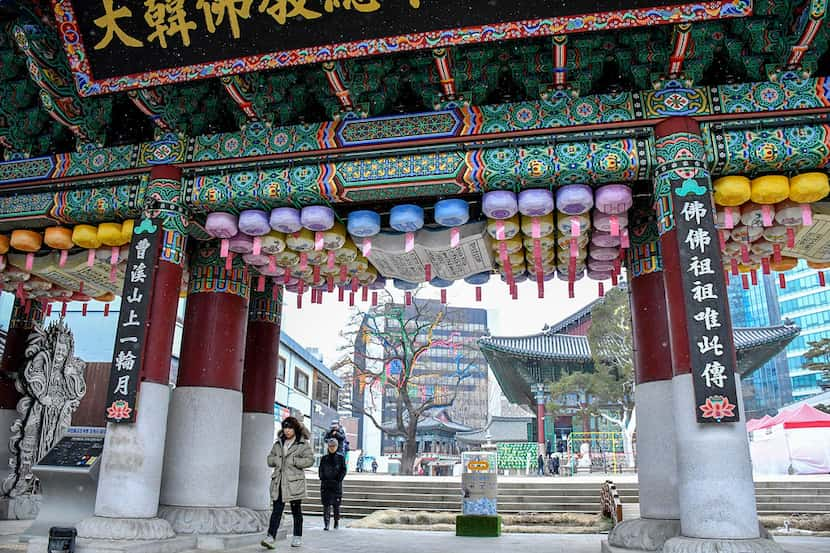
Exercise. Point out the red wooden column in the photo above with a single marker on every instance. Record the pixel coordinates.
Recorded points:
(259, 381)
(715, 487)
(129, 484)
(205, 422)
(656, 441)
(540, 395)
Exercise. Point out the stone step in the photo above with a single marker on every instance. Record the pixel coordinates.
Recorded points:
(366, 494)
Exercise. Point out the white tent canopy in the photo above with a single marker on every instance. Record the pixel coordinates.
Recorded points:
(796, 441)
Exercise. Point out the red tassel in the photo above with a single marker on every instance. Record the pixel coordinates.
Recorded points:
(90, 258)
(83, 309)
(224, 247)
(106, 310)
(478, 293)
(351, 299)
(316, 274)
(343, 273)
(354, 284)
(63, 310)
(260, 284)
(821, 281)
(776, 253)
(571, 289)
(782, 280)
(63, 258)
(726, 276)
(340, 293)
(330, 259)
(256, 246)
(734, 264)
(601, 289)
(765, 265)
(299, 300)
(540, 285)
(428, 272)
(745, 281)
(444, 296)
(286, 278)
(408, 298)
(365, 294)
(722, 240)
(229, 261)
(754, 276)
(374, 299)
(614, 279)
(330, 284)
(744, 253)
(49, 309)
(113, 273)
(30, 261)
(790, 237)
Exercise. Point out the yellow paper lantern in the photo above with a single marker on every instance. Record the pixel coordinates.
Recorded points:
(785, 264)
(809, 187)
(301, 241)
(127, 231)
(26, 240)
(732, 191)
(346, 254)
(748, 268)
(59, 238)
(335, 237)
(546, 225)
(106, 298)
(4, 244)
(511, 246)
(86, 236)
(770, 189)
(510, 227)
(818, 266)
(109, 234)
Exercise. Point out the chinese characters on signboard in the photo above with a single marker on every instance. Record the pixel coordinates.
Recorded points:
(134, 39)
(133, 319)
(710, 344)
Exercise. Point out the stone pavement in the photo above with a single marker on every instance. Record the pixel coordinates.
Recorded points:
(348, 540)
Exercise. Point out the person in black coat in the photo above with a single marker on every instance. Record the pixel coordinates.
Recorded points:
(337, 433)
(332, 472)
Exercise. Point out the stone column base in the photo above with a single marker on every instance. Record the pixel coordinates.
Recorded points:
(213, 520)
(682, 544)
(105, 528)
(641, 534)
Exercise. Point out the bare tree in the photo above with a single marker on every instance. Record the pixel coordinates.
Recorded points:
(388, 344)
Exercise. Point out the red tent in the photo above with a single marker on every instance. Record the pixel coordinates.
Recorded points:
(803, 416)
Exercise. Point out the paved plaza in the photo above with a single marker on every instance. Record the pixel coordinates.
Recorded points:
(347, 540)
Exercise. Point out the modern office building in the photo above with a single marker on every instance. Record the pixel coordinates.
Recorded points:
(804, 301)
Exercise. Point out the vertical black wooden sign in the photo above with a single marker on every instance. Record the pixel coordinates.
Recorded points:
(710, 344)
(133, 319)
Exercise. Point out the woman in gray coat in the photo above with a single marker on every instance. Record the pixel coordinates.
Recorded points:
(289, 457)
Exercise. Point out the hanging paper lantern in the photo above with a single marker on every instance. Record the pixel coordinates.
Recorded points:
(512, 259)
(732, 249)
(604, 254)
(272, 243)
(548, 272)
(4, 244)
(776, 234)
(605, 240)
(285, 220)
(221, 225)
(86, 236)
(58, 238)
(270, 270)
(499, 204)
(770, 189)
(335, 237)
(254, 222)
(512, 245)
(359, 265)
(545, 242)
(109, 234)
(440, 283)
(605, 222)
(564, 241)
(545, 256)
(241, 243)
(789, 213)
(599, 275)
(751, 215)
(26, 240)
(403, 284)
(516, 270)
(732, 191)
(613, 199)
(601, 266)
(406, 218)
(565, 224)
(363, 223)
(346, 254)
(503, 229)
(256, 260)
(105, 298)
(785, 264)
(762, 248)
(564, 255)
(574, 199)
(317, 218)
(536, 202)
(818, 266)
(452, 212)
(300, 241)
(809, 187)
(563, 273)
(127, 231)
(544, 223)
(744, 233)
(478, 279)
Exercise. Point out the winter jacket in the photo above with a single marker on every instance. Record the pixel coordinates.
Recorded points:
(288, 473)
(332, 471)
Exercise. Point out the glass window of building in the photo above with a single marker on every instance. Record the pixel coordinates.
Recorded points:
(300, 381)
(281, 369)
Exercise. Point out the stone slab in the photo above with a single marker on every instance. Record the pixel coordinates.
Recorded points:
(229, 541)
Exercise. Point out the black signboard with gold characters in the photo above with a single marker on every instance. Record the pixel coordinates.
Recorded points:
(123, 44)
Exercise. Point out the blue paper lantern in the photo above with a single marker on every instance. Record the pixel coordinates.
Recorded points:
(452, 213)
(406, 218)
(363, 224)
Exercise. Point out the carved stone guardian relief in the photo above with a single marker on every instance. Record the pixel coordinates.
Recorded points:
(52, 383)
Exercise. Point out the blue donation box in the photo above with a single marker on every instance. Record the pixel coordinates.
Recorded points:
(479, 484)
